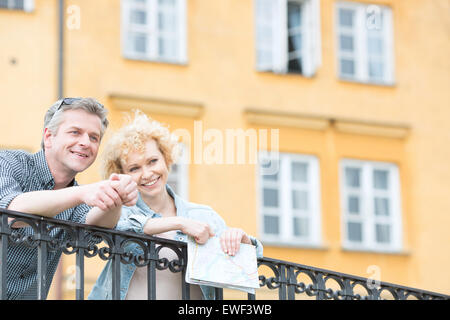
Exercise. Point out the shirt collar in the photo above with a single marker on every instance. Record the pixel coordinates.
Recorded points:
(44, 172)
(179, 203)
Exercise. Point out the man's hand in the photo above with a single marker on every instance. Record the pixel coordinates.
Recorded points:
(101, 195)
(125, 187)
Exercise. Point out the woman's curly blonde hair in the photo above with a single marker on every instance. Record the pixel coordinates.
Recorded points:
(133, 137)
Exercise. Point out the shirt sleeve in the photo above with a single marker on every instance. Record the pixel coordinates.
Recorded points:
(9, 185)
(80, 212)
(132, 219)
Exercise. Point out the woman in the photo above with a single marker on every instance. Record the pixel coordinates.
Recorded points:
(145, 150)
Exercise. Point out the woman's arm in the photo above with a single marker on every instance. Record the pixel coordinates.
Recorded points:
(200, 231)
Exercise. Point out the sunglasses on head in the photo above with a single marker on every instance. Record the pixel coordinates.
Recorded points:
(69, 101)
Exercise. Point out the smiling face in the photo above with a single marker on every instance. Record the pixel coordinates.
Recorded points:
(148, 169)
(74, 147)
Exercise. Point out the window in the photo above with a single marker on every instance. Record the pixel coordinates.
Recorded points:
(365, 43)
(289, 199)
(154, 30)
(25, 5)
(288, 36)
(370, 201)
(179, 176)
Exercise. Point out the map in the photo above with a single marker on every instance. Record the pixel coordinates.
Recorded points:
(209, 265)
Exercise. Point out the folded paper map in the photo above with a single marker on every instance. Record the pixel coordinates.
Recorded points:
(209, 265)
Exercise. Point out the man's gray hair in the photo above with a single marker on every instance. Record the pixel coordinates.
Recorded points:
(54, 116)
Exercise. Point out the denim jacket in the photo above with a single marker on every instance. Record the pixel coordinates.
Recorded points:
(134, 218)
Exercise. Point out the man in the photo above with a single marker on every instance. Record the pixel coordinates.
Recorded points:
(44, 184)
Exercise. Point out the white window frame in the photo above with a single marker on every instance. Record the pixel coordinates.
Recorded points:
(279, 47)
(28, 5)
(152, 31)
(285, 212)
(367, 216)
(360, 43)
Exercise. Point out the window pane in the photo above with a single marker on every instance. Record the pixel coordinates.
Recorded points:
(138, 17)
(381, 206)
(167, 3)
(294, 15)
(299, 172)
(166, 22)
(353, 204)
(138, 42)
(352, 177)
(271, 225)
(295, 42)
(383, 233)
(354, 231)
(18, 4)
(346, 43)
(380, 179)
(270, 197)
(166, 48)
(347, 66)
(376, 70)
(295, 65)
(301, 227)
(346, 17)
(375, 46)
(299, 200)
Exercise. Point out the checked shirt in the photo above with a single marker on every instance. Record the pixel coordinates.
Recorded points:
(22, 172)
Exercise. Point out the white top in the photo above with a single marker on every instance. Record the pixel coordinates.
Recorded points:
(168, 283)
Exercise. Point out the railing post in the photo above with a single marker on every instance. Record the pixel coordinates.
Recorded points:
(3, 255)
(320, 285)
(115, 269)
(282, 288)
(151, 273)
(42, 260)
(79, 272)
(291, 283)
(185, 287)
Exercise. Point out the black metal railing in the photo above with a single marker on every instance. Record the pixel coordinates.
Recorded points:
(291, 280)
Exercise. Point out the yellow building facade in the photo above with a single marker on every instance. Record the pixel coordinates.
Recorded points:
(354, 107)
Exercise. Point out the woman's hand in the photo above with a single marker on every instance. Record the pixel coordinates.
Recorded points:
(200, 231)
(231, 239)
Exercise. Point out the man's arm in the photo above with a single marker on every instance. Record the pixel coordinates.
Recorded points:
(49, 203)
(105, 196)
(127, 190)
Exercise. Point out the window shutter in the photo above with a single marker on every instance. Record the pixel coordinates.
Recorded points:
(182, 31)
(312, 43)
(270, 35)
(389, 48)
(28, 5)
